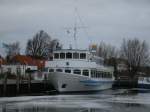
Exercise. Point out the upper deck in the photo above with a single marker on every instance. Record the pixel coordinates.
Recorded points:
(74, 58)
(78, 59)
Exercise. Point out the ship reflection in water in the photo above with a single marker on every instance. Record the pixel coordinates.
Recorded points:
(118, 101)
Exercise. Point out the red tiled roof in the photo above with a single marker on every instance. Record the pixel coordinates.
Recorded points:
(27, 60)
(2, 61)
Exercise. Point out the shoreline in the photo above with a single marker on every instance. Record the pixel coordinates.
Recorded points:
(41, 88)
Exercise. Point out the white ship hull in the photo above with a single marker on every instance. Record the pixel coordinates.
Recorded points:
(65, 82)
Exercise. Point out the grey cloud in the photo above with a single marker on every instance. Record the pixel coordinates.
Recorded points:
(107, 20)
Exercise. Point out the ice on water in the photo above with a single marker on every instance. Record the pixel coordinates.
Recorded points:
(102, 102)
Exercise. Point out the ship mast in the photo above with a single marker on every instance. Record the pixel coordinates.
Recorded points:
(75, 28)
(75, 31)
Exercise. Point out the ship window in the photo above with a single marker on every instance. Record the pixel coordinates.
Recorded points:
(75, 55)
(109, 75)
(105, 75)
(68, 55)
(86, 72)
(56, 56)
(59, 70)
(68, 71)
(97, 74)
(101, 73)
(77, 71)
(62, 55)
(51, 70)
(63, 85)
(67, 63)
(82, 56)
(93, 73)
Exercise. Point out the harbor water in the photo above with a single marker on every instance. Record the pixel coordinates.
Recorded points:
(120, 100)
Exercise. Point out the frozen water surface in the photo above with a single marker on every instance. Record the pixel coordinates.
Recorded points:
(106, 101)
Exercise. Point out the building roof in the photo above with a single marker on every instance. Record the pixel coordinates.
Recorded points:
(2, 61)
(28, 60)
(25, 60)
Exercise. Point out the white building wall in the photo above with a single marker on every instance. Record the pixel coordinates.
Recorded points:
(13, 68)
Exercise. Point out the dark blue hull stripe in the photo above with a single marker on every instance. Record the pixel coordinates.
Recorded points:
(144, 86)
(95, 83)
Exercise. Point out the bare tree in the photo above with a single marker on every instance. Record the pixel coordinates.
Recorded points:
(106, 51)
(136, 53)
(110, 55)
(41, 45)
(12, 49)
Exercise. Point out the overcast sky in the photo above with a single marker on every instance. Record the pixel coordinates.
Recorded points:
(105, 20)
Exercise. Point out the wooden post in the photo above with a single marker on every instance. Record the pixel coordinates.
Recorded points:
(5, 83)
(18, 80)
(29, 72)
(29, 82)
(45, 82)
(17, 83)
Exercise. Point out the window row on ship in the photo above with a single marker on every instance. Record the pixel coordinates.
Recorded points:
(93, 73)
(70, 55)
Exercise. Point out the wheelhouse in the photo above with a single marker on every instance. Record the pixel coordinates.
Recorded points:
(70, 54)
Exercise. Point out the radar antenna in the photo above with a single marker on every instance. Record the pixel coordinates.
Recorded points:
(75, 29)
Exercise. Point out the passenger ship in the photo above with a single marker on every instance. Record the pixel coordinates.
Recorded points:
(73, 70)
